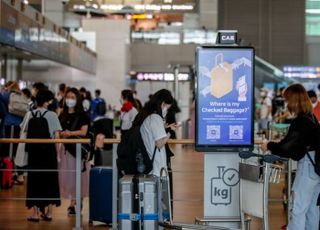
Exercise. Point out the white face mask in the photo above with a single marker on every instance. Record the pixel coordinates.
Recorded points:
(263, 94)
(314, 104)
(71, 103)
(164, 112)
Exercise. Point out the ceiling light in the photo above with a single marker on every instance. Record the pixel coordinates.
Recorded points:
(313, 11)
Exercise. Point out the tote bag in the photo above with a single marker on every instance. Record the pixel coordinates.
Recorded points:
(21, 158)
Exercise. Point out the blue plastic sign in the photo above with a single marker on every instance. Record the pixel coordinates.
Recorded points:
(224, 98)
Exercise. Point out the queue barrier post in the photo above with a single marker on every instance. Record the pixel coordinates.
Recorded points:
(78, 187)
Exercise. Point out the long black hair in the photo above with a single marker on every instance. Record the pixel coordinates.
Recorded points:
(154, 105)
(78, 108)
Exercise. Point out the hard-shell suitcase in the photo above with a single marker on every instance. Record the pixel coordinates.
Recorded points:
(138, 205)
(6, 172)
(100, 195)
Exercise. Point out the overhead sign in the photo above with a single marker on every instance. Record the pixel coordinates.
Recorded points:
(224, 98)
(161, 77)
(227, 37)
(301, 71)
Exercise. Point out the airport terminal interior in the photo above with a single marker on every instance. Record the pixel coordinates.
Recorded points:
(192, 97)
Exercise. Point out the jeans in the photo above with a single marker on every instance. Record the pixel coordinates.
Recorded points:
(304, 214)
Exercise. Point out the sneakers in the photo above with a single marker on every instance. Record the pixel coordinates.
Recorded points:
(71, 211)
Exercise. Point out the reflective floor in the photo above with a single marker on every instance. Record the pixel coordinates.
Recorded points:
(188, 199)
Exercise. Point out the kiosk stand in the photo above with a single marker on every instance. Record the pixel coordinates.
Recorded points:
(224, 123)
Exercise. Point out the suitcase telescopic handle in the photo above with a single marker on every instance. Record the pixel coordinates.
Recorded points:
(165, 174)
(219, 59)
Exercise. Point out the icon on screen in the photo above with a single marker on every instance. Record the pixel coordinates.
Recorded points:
(213, 132)
(242, 88)
(236, 132)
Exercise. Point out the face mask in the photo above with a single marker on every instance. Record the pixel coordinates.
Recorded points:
(86, 105)
(164, 112)
(263, 94)
(59, 97)
(121, 101)
(314, 104)
(71, 103)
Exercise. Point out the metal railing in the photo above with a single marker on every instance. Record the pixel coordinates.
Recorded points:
(78, 143)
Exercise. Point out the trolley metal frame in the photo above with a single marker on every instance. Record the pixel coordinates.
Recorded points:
(254, 184)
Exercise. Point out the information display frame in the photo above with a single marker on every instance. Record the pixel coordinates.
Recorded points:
(216, 146)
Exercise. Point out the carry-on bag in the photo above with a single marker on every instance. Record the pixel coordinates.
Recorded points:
(138, 205)
(100, 195)
(6, 173)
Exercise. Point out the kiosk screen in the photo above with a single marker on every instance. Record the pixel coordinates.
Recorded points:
(224, 98)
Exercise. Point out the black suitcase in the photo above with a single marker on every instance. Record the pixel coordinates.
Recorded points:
(100, 195)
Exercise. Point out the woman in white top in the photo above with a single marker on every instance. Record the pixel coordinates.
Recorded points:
(153, 133)
(128, 110)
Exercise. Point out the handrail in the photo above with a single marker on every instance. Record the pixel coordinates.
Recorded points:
(87, 141)
(80, 141)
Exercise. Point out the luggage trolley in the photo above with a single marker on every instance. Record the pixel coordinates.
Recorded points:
(254, 186)
(165, 208)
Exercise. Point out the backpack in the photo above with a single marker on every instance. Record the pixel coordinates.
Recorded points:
(98, 105)
(37, 128)
(18, 104)
(103, 126)
(133, 157)
(316, 161)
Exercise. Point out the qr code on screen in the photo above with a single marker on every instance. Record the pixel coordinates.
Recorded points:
(213, 132)
(236, 132)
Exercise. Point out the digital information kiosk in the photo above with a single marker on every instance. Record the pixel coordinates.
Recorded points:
(224, 123)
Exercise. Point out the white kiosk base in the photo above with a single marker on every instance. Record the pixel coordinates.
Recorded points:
(221, 189)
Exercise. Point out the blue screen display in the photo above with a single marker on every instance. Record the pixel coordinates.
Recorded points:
(225, 84)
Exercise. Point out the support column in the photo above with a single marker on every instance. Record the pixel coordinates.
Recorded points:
(112, 45)
(4, 66)
(19, 69)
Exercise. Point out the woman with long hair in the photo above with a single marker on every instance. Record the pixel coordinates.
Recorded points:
(128, 110)
(75, 123)
(299, 144)
(153, 133)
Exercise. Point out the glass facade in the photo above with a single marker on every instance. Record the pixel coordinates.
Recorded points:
(313, 17)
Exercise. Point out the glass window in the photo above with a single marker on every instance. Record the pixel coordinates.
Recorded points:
(313, 17)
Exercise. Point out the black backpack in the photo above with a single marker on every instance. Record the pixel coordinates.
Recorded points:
(132, 154)
(38, 128)
(316, 161)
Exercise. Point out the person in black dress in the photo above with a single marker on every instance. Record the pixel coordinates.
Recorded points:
(43, 185)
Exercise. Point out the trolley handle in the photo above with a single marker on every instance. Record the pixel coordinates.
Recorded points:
(269, 158)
